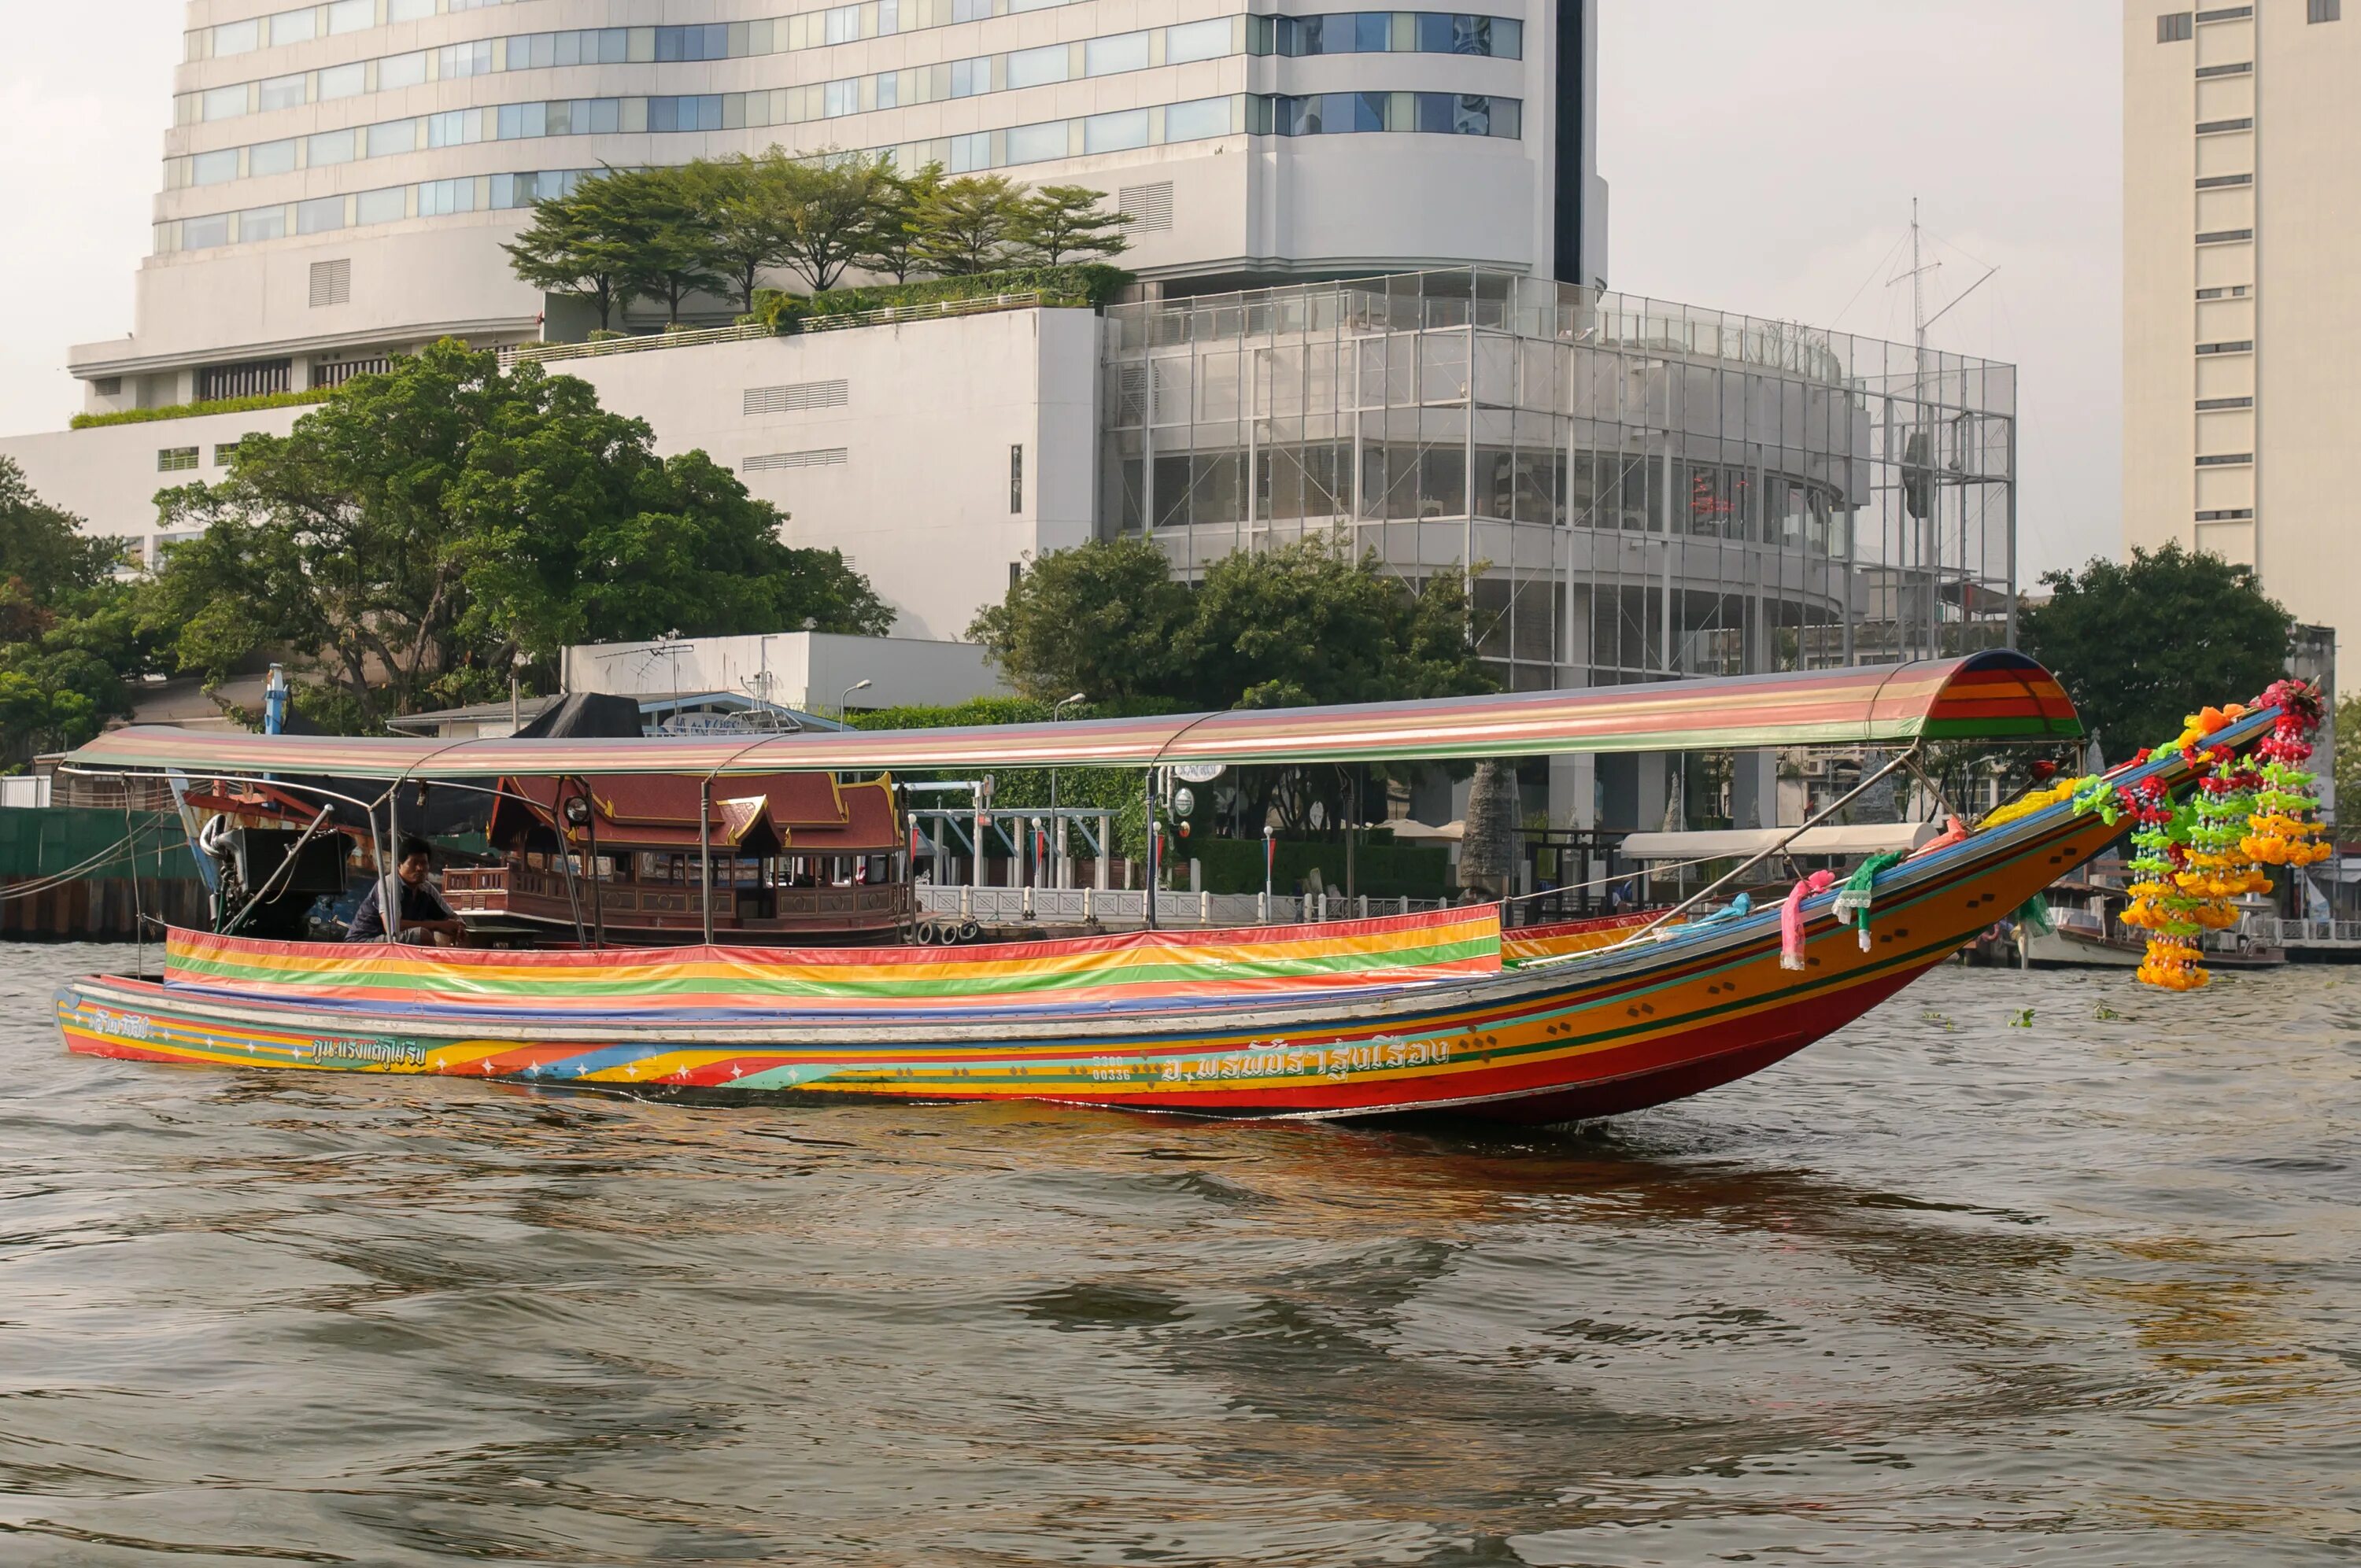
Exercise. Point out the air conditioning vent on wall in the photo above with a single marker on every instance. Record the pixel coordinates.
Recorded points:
(825, 457)
(331, 283)
(794, 398)
(1150, 206)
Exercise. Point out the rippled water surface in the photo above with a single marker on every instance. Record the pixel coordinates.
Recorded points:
(1946, 1288)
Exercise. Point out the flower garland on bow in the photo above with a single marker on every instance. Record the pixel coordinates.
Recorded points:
(2193, 859)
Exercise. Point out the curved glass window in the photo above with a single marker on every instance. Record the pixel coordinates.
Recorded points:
(1163, 124)
(1335, 114)
(1388, 32)
(906, 88)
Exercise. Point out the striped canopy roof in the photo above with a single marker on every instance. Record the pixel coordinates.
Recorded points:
(1993, 696)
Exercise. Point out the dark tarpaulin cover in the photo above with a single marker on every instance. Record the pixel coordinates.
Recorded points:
(585, 715)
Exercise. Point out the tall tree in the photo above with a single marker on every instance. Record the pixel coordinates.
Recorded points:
(574, 246)
(2140, 643)
(749, 215)
(1105, 619)
(1304, 623)
(833, 201)
(43, 549)
(412, 533)
(68, 640)
(888, 241)
(969, 225)
(673, 252)
(1059, 224)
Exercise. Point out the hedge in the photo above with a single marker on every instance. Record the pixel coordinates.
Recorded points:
(218, 406)
(1381, 871)
(1094, 284)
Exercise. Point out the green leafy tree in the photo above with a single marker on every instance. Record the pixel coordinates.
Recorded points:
(674, 252)
(42, 549)
(409, 537)
(68, 638)
(834, 201)
(1305, 623)
(1105, 619)
(1313, 623)
(747, 215)
(1062, 224)
(2138, 644)
(888, 241)
(576, 245)
(969, 225)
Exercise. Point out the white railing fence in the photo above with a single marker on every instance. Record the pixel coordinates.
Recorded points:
(1086, 905)
(2280, 933)
(893, 315)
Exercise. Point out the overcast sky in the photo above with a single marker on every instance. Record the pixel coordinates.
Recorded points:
(1763, 155)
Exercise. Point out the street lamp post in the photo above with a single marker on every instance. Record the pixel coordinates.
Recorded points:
(844, 703)
(1057, 823)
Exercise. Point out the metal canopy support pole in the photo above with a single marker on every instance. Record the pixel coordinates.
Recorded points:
(590, 864)
(1149, 902)
(705, 851)
(388, 906)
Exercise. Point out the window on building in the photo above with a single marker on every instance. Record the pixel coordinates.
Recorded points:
(2323, 10)
(1016, 479)
(223, 452)
(175, 459)
(2177, 27)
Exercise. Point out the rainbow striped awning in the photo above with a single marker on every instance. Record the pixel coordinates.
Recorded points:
(1990, 697)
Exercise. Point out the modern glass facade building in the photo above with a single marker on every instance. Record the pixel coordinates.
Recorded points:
(1650, 490)
(339, 177)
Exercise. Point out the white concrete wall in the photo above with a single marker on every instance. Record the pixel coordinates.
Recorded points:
(109, 476)
(919, 501)
(920, 497)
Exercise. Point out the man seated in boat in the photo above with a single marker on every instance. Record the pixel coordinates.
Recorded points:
(425, 918)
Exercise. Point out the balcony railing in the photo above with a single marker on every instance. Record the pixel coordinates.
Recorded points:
(894, 315)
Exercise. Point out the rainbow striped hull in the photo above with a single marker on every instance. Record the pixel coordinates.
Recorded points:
(1361, 1019)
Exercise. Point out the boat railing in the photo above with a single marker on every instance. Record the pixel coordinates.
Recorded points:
(2274, 931)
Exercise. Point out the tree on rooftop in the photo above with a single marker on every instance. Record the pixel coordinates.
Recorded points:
(833, 202)
(749, 217)
(1062, 224)
(888, 242)
(576, 246)
(674, 252)
(969, 225)
(2138, 644)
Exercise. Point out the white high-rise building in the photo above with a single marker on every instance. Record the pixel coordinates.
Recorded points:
(339, 177)
(2242, 322)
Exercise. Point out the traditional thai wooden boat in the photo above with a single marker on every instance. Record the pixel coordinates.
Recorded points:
(789, 856)
(1436, 1011)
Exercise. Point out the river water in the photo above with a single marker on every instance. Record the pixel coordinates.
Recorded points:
(1963, 1284)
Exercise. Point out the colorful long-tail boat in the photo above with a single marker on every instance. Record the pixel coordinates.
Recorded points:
(1437, 1011)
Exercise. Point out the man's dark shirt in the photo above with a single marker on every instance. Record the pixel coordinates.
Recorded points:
(418, 904)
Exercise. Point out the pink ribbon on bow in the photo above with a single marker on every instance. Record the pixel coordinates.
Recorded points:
(1791, 918)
